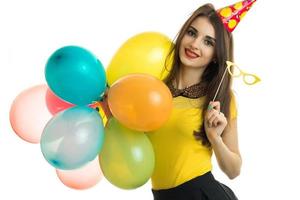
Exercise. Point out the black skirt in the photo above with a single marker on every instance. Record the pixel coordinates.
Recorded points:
(203, 187)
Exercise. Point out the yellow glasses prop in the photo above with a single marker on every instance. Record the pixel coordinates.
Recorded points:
(235, 71)
(249, 79)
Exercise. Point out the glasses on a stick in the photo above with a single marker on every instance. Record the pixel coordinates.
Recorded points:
(235, 71)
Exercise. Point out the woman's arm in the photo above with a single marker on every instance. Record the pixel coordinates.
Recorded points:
(224, 140)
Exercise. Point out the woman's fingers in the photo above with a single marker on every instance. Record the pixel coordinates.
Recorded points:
(214, 105)
(213, 113)
(211, 116)
(214, 117)
(216, 121)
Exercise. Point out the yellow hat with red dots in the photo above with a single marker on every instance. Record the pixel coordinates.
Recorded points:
(232, 15)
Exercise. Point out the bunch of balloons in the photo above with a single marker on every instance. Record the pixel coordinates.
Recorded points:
(89, 121)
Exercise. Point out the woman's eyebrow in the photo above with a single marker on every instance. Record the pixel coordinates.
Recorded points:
(211, 38)
(207, 36)
(194, 29)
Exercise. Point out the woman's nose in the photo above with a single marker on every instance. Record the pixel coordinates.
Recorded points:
(196, 44)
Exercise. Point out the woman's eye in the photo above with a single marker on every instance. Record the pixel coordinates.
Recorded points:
(191, 33)
(208, 43)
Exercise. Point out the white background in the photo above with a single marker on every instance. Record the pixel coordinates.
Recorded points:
(266, 43)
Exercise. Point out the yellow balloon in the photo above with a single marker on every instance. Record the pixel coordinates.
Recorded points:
(143, 53)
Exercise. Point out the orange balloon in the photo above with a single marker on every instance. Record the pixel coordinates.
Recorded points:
(140, 102)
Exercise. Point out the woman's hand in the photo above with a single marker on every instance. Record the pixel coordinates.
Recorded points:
(214, 121)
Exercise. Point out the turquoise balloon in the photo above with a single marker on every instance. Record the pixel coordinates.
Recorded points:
(75, 75)
(72, 138)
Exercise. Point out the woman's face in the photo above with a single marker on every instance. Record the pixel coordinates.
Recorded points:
(197, 46)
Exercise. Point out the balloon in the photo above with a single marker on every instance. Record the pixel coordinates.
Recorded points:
(56, 104)
(72, 138)
(143, 53)
(127, 158)
(29, 114)
(75, 75)
(140, 102)
(82, 178)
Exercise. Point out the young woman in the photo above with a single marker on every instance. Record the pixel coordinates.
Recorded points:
(198, 126)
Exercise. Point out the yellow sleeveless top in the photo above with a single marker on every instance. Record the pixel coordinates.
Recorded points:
(179, 157)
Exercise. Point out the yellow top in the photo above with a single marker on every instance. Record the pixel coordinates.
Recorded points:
(179, 157)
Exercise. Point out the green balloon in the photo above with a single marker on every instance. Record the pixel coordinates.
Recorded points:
(127, 157)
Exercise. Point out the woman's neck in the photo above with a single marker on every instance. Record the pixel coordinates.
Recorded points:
(188, 76)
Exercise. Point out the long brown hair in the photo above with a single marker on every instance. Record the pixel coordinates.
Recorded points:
(214, 71)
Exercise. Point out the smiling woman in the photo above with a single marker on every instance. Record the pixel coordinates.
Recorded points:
(199, 125)
(269, 141)
(197, 45)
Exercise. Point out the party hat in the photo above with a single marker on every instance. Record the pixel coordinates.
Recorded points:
(232, 15)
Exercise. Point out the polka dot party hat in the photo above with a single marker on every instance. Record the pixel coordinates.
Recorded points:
(232, 15)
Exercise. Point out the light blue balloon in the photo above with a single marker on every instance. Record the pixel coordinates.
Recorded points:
(75, 75)
(72, 138)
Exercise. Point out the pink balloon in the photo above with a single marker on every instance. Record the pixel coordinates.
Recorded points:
(56, 104)
(29, 114)
(82, 178)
